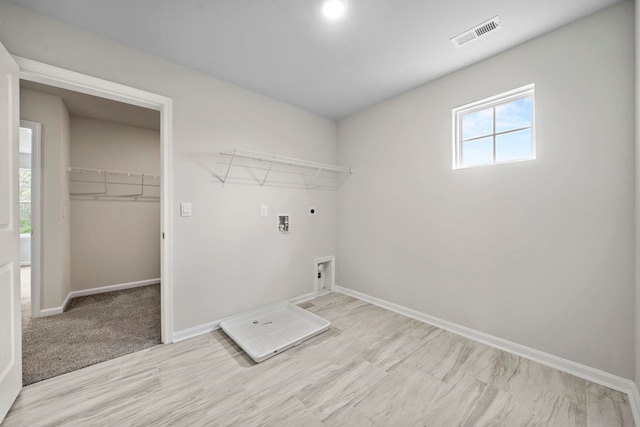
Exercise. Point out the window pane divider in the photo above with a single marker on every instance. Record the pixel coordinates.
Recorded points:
(504, 132)
(493, 135)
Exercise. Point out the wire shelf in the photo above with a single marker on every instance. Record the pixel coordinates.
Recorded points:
(95, 183)
(251, 167)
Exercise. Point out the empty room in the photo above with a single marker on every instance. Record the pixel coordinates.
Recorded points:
(348, 212)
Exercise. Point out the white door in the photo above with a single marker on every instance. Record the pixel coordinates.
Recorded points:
(10, 328)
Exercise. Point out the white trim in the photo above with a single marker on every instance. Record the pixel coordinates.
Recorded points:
(56, 310)
(36, 209)
(634, 398)
(51, 311)
(302, 298)
(586, 372)
(112, 288)
(332, 260)
(634, 402)
(496, 99)
(59, 77)
(94, 291)
(166, 220)
(185, 334)
(66, 301)
(66, 79)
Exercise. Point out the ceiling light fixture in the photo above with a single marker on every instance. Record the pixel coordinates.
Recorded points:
(333, 9)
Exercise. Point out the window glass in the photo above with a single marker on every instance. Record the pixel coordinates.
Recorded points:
(25, 201)
(477, 123)
(513, 115)
(513, 146)
(477, 152)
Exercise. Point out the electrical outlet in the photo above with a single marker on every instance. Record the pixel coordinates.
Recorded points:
(263, 210)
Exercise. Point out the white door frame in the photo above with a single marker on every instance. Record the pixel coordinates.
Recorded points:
(36, 209)
(53, 76)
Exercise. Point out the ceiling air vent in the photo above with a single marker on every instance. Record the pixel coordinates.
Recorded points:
(475, 33)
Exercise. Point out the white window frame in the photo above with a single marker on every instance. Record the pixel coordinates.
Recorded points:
(492, 102)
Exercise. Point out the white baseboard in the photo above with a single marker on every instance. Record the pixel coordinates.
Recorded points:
(51, 311)
(302, 298)
(65, 303)
(111, 288)
(588, 373)
(211, 326)
(58, 310)
(634, 401)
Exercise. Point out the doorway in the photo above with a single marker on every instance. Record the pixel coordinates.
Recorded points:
(100, 289)
(35, 72)
(46, 74)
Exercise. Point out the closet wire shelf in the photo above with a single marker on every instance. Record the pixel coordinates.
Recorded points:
(96, 183)
(251, 167)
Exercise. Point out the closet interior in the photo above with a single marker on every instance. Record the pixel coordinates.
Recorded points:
(98, 291)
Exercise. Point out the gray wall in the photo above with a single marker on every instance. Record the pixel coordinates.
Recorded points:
(539, 252)
(637, 196)
(227, 259)
(51, 112)
(114, 241)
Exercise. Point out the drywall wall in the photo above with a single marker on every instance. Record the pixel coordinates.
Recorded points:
(51, 112)
(114, 241)
(227, 259)
(539, 252)
(637, 196)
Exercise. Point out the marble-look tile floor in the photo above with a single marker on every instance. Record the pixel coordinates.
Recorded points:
(372, 368)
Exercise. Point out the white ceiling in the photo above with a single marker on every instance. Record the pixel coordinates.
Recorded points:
(93, 107)
(285, 49)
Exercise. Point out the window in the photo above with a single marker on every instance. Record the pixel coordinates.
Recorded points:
(25, 201)
(495, 130)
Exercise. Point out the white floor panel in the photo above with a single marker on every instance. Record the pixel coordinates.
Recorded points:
(265, 332)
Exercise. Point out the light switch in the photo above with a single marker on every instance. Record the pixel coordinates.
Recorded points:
(263, 210)
(185, 209)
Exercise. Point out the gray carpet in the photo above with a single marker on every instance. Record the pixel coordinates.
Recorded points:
(92, 329)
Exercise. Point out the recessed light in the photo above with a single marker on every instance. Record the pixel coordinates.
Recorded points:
(333, 9)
